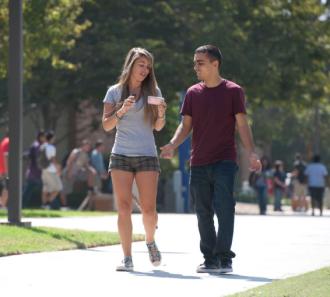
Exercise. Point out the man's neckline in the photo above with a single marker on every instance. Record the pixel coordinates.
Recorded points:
(217, 86)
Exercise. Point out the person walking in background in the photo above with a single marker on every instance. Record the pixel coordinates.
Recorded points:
(33, 182)
(3, 203)
(279, 184)
(212, 109)
(134, 154)
(258, 181)
(97, 161)
(51, 182)
(4, 158)
(299, 179)
(316, 174)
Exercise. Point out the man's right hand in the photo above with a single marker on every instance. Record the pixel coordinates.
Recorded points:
(255, 164)
(167, 151)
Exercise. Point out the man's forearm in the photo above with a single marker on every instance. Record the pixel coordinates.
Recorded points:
(180, 135)
(245, 134)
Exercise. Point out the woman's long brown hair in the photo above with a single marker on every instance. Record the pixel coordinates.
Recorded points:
(149, 84)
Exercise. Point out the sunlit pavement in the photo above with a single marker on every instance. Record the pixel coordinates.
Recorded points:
(267, 247)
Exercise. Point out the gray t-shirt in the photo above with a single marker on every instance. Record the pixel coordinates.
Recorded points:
(134, 135)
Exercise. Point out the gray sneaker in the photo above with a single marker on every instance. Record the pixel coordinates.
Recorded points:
(208, 268)
(154, 254)
(126, 264)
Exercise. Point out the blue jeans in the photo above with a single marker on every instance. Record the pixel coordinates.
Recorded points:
(278, 194)
(31, 188)
(262, 199)
(211, 188)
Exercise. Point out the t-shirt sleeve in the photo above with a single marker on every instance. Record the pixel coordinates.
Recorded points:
(113, 95)
(239, 101)
(5, 147)
(186, 108)
(325, 171)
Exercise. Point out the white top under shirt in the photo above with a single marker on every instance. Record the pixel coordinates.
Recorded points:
(134, 136)
(50, 153)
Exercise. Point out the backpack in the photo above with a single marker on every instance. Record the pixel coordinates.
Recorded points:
(301, 172)
(42, 160)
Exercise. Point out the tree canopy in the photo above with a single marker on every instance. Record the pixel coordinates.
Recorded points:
(278, 50)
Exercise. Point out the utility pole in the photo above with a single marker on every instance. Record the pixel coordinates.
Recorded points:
(15, 92)
(316, 142)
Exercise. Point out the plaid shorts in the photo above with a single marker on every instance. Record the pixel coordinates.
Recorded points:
(134, 164)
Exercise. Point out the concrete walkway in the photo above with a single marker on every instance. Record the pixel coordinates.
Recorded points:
(268, 248)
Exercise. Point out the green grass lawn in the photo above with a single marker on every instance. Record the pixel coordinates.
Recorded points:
(43, 213)
(20, 240)
(311, 284)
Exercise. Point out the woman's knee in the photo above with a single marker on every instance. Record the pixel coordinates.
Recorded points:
(124, 207)
(149, 211)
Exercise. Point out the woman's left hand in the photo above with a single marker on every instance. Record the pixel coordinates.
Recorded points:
(161, 110)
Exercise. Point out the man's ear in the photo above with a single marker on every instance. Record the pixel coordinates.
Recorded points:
(216, 64)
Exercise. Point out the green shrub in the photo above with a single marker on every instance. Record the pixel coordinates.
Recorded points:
(248, 197)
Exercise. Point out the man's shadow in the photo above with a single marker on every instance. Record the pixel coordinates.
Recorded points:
(166, 274)
(249, 278)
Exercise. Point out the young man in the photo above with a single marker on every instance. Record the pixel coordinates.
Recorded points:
(212, 109)
(4, 161)
(316, 174)
(33, 182)
(52, 184)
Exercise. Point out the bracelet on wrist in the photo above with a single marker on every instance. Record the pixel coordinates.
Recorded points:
(117, 116)
(162, 118)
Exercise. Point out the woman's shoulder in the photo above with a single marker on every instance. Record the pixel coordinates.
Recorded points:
(113, 94)
(116, 88)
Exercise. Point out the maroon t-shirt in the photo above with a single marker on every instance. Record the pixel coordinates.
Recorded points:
(213, 113)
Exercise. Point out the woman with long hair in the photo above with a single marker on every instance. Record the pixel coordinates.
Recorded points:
(134, 154)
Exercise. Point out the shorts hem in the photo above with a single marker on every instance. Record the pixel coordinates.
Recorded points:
(134, 171)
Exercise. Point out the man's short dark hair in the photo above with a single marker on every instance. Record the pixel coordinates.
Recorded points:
(212, 51)
(41, 133)
(50, 135)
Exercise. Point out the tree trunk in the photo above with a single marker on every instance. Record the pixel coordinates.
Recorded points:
(316, 140)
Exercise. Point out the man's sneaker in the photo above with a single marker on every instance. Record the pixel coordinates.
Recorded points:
(126, 265)
(226, 268)
(208, 268)
(154, 254)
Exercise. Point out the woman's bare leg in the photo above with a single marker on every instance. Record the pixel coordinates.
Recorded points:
(147, 182)
(122, 185)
